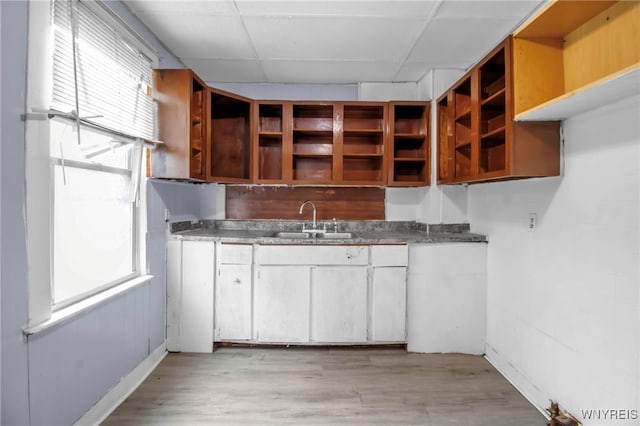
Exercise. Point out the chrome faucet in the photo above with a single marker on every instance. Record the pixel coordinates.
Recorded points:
(314, 212)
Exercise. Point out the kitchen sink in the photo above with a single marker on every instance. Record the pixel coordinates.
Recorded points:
(336, 235)
(292, 235)
(320, 235)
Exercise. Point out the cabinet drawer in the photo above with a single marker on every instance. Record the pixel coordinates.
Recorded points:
(393, 255)
(312, 255)
(239, 254)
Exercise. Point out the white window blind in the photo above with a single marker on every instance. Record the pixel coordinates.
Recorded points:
(111, 71)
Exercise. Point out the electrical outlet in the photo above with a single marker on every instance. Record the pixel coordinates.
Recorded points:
(532, 222)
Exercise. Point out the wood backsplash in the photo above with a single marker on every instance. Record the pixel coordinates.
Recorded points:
(281, 202)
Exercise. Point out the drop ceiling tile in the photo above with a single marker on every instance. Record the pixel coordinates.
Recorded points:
(486, 9)
(332, 38)
(448, 42)
(181, 7)
(371, 8)
(201, 36)
(233, 71)
(327, 71)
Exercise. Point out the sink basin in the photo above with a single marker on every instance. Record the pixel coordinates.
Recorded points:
(292, 235)
(320, 235)
(336, 235)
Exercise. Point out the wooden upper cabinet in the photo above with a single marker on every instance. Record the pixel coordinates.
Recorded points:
(362, 135)
(183, 108)
(314, 143)
(409, 143)
(229, 127)
(271, 141)
(327, 143)
(478, 139)
(216, 136)
(576, 55)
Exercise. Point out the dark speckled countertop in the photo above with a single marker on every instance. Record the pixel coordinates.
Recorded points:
(363, 232)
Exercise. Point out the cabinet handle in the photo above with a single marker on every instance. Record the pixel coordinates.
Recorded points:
(236, 281)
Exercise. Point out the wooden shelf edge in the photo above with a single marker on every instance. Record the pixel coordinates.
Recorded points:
(362, 131)
(409, 159)
(620, 85)
(494, 96)
(311, 155)
(409, 135)
(494, 132)
(362, 155)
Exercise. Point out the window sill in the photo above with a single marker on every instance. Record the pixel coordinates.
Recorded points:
(74, 310)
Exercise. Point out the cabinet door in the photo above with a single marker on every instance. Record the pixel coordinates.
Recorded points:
(282, 304)
(182, 125)
(339, 304)
(196, 325)
(233, 303)
(388, 305)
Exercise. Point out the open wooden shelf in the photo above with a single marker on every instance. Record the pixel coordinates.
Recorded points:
(576, 55)
(479, 141)
(363, 143)
(230, 141)
(313, 142)
(217, 136)
(271, 126)
(409, 162)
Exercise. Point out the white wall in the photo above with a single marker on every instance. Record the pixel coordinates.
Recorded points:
(388, 92)
(291, 92)
(563, 300)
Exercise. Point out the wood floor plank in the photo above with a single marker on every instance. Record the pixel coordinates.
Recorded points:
(320, 386)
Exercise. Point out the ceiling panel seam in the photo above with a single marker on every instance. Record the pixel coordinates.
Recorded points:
(253, 48)
(428, 21)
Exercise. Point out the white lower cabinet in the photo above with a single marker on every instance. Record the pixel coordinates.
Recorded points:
(311, 294)
(388, 304)
(282, 304)
(339, 304)
(389, 293)
(190, 277)
(447, 287)
(233, 301)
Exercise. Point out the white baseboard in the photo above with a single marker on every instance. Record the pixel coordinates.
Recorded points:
(501, 369)
(123, 389)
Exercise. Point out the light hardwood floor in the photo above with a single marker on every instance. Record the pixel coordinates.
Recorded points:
(320, 386)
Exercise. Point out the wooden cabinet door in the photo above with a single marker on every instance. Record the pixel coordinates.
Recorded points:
(183, 108)
(388, 304)
(282, 304)
(233, 303)
(196, 322)
(339, 304)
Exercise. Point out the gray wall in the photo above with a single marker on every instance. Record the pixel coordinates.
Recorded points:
(56, 376)
(13, 261)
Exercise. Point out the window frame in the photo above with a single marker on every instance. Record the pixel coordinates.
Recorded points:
(39, 171)
(136, 214)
